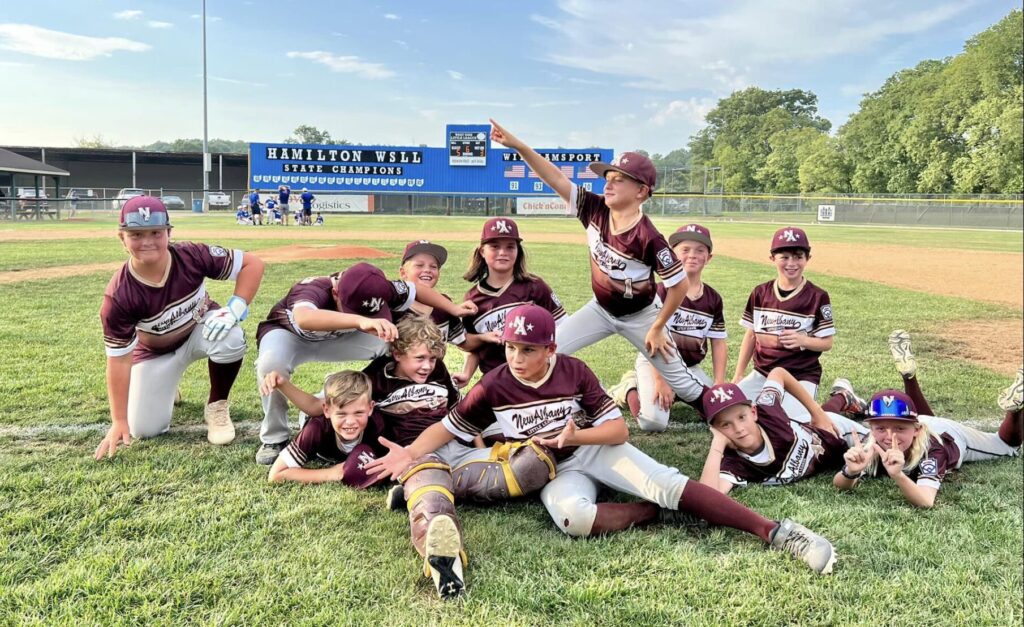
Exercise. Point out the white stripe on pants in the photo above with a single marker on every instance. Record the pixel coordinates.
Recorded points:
(571, 498)
(974, 445)
(154, 381)
(591, 324)
(753, 382)
(283, 351)
(652, 417)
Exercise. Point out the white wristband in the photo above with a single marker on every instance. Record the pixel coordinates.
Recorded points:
(238, 307)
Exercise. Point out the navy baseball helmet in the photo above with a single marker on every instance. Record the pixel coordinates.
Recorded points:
(891, 405)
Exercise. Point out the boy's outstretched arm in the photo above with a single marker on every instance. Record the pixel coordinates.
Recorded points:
(547, 171)
(797, 391)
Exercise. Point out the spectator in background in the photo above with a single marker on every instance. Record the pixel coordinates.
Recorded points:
(307, 207)
(283, 195)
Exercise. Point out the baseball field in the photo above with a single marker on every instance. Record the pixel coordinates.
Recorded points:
(174, 530)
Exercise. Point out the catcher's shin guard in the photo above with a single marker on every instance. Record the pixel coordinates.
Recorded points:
(428, 493)
(513, 469)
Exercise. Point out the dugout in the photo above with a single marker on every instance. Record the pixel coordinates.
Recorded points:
(17, 172)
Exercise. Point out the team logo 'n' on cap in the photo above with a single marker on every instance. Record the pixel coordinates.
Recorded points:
(790, 237)
(634, 165)
(692, 233)
(144, 212)
(720, 397)
(529, 324)
(498, 228)
(364, 290)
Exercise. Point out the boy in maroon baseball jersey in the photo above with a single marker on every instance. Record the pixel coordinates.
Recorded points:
(157, 319)
(555, 401)
(698, 322)
(342, 431)
(788, 324)
(757, 442)
(916, 449)
(498, 268)
(626, 251)
(343, 317)
(421, 264)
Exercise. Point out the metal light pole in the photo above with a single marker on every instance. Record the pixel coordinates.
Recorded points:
(206, 149)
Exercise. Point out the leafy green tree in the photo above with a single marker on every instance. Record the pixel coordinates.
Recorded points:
(740, 131)
(307, 134)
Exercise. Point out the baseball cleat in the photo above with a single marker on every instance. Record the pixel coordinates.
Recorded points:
(619, 391)
(805, 545)
(1012, 398)
(219, 430)
(395, 498)
(267, 453)
(899, 346)
(855, 405)
(443, 561)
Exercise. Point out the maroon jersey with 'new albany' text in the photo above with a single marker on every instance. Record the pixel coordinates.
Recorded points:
(150, 319)
(316, 292)
(695, 322)
(318, 441)
(492, 306)
(807, 309)
(792, 451)
(406, 407)
(622, 265)
(569, 391)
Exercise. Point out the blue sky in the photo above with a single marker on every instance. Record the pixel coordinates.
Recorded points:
(572, 73)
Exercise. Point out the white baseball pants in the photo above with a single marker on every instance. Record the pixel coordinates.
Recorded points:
(974, 445)
(154, 381)
(591, 324)
(753, 382)
(283, 351)
(571, 498)
(652, 417)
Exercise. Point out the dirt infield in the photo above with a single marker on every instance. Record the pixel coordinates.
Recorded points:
(994, 344)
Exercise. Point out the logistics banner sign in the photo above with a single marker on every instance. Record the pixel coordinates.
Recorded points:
(412, 170)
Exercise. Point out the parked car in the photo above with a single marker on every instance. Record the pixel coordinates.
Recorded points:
(27, 198)
(126, 194)
(173, 202)
(219, 200)
(81, 198)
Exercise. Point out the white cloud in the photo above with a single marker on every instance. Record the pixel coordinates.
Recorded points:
(53, 44)
(661, 45)
(477, 103)
(555, 103)
(691, 112)
(129, 14)
(159, 24)
(345, 64)
(402, 44)
(391, 16)
(456, 76)
(14, 64)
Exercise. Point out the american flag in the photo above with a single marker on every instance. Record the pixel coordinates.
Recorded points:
(533, 175)
(515, 171)
(586, 173)
(566, 170)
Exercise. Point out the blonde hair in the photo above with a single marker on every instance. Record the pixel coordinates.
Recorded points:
(417, 329)
(918, 449)
(346, 386)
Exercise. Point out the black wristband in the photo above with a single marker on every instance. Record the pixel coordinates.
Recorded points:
(846, 474)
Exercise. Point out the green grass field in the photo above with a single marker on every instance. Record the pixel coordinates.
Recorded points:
(175, 531)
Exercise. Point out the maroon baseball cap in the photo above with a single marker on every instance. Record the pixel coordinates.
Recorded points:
(416, 247)
(529, 324)
(691, 232)
(634, 165)
(722, 396)
(790, 237)
(144, 212)
(891, 405)
(364, 290)
(498, 228)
